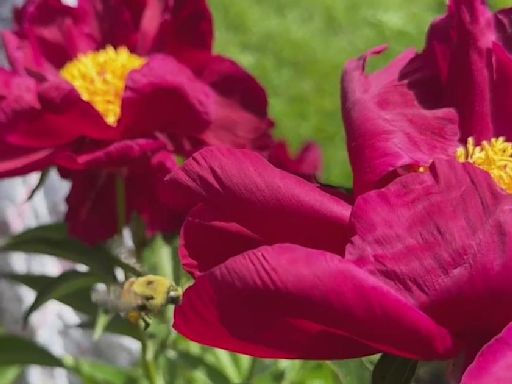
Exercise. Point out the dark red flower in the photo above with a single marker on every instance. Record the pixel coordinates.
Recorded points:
(418, 269)
(90, 83)
(404, 114)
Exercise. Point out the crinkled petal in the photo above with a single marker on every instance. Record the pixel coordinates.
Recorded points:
(443, 239)
(270, 203)
(175, 27)
(286, 301)
(386, 125)
(493, 364)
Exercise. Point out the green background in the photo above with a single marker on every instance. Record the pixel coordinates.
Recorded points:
(297, 49)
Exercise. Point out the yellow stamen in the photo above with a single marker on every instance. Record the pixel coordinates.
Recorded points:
(494, 157)
(99, 77)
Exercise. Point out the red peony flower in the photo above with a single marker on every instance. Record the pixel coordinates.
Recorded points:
(266, 249)
(105, 88)
(403, 115)
(419, 269)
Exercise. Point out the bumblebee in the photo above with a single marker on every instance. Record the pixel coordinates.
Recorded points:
(139, 297)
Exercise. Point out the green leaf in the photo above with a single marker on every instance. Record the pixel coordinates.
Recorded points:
(116, 325)
(354, 371)
(79, 299)
(65, 284)
(16, 350)
(394, 370)
(196, 363)
(94, 372)
(9, 374)
(53, 239)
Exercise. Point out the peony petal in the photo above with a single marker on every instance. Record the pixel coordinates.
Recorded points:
(92, 208)
(57, 31)
(443, 239)
(97, 155)
(92, 202)
(307, 163)
(230, 80)
(502, 91)
(493, 364)
(460, 46)
(164, 95)
(15, 161)
(386, 125)
(272, 204)
(286, 301)
(175, 27)
(207, 240)
(47, 115)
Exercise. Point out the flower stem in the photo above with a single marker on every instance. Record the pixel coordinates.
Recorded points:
(147, 361)
(121, 203)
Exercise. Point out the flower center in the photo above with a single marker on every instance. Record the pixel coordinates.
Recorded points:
(493, 156)
(99, 78)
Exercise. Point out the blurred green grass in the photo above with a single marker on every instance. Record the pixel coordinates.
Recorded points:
(297, 50)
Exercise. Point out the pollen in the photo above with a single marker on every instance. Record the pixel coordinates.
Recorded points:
(494, 157)
(100, 77)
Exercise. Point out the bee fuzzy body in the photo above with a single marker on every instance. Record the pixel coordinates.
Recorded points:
(139, 297)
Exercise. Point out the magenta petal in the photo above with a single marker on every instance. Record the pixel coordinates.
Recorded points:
(502, 91)
(293, 302)
(307, 163)
(443, 239)
(118, 154)
(230, 80)
(460, 46)
(274, 205)
(175, 27)
(92, 202)
(92, 208)
(207, 240)
(43, 116)
(493, 364)
(165, 96)
(16, 161)
(58, 31)
(385, 124)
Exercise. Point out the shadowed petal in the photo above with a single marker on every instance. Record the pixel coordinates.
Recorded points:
(207, 240)
(493, 364)
(272, 204)
(293, 302)
(92, 202)
(175, 27)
